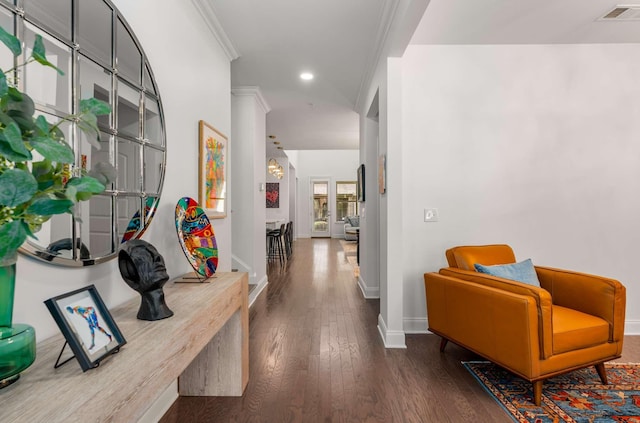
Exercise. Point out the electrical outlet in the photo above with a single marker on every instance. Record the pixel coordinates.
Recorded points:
(430, 215)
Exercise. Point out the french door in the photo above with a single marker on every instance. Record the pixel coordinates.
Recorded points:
(320, 210)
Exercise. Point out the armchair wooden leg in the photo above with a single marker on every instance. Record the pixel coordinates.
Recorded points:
(537, 392)
(602, 373)
(443, 343)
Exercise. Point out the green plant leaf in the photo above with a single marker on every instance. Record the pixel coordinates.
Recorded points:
(16, 187)
(11, 42)
(86, 184)
(15, 94)
(12, 235)
(13, 136)
(103, 172)
(42, 125)
(94, 106)
(88, 124)
(56, 151)
(4, 87)
(7, 152)
(39, 54)
(45, 206)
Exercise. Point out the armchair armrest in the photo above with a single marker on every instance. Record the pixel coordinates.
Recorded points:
(541, 296)
(591, 294)
(497, 324)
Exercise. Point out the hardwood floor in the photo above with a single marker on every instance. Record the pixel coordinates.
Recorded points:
(316, 356)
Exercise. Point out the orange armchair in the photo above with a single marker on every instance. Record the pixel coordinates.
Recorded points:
(572, 320)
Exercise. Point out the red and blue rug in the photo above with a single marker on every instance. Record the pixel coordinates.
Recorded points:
(578, 396)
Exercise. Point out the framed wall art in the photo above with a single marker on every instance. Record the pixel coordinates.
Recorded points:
(273, 195)
(360, 186)
(382, 174)
(212, 168)
(87, 326)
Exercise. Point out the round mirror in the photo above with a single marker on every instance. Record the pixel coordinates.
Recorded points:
(91, 42)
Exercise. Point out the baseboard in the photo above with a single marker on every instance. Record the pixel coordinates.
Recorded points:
(161, 405)
(257, 290)
(415, 325)
(367, 292)
(391, 338)
(632, 327)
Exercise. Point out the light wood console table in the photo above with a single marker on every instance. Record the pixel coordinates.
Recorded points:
(205, 345)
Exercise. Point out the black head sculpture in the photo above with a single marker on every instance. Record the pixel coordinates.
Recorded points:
(142, 268)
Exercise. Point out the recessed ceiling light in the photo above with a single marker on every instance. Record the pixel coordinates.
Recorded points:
(307, 76)
(280, 148)
(272, 137)
(276, 142)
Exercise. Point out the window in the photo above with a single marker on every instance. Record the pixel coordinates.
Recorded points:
(346, 200)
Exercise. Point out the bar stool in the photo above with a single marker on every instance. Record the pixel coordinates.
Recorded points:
(275, 245)
(288, 239)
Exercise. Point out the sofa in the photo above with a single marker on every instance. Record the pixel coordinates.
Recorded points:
(572, 320)
(351, 222)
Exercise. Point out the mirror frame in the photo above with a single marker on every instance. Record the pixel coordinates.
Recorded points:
(147, 89)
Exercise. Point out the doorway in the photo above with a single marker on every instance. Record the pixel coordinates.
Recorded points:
(321, 212)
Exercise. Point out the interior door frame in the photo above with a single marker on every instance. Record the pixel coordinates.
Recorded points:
(314, 233)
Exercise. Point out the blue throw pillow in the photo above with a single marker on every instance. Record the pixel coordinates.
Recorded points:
(521, 272)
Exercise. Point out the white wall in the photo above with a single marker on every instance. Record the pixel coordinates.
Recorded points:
(187, 72)
(282, 212)
(534, 146)
(335, 165)
(249, 134)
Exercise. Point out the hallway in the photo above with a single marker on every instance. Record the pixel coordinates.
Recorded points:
(316, 356)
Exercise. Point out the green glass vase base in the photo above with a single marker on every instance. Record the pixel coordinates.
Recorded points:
(17, 351)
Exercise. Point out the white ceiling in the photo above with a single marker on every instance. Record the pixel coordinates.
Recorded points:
(337, 40)
(278, 39)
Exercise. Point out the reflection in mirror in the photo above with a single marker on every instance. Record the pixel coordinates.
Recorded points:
(6, 58)
(94, 29)
(128, 106)
(152, 122)
(56, 15)
(128, 58)
(148, 81)
(97, 234)
(128, 166)
(153, 162)
(43, 84)
(95, 81)
(90, 41)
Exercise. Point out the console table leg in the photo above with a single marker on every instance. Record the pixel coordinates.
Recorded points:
(222, 367)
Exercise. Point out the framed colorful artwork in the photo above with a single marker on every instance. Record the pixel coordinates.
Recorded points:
(212, 167)
(87, 326)
(273, 195)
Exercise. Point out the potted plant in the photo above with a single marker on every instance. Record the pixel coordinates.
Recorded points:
(37, 181)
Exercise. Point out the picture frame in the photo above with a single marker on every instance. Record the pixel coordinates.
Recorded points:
(272, 195)
(212, 171)
(360, 186)
(87, 326)
(382, 174)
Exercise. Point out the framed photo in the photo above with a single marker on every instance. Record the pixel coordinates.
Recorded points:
(360, 186)
(212, 171)
(87, 325)
(273, 195)
(382, 174)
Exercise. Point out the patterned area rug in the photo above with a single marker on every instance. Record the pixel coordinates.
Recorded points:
(578, 396)
(350, 253)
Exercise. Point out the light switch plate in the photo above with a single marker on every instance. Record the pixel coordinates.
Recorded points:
(430, 215)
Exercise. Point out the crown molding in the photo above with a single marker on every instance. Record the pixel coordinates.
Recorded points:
(208, 14)
(386, 18)
(255, 92)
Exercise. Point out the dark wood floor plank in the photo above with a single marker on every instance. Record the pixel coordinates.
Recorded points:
(316, 356)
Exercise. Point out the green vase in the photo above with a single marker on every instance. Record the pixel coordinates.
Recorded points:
(17, 341)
